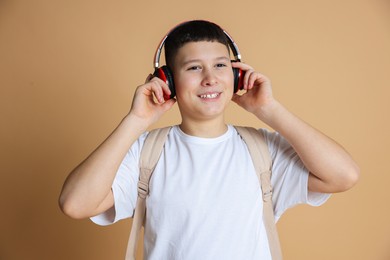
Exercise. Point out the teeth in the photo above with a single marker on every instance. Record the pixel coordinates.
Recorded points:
(209, 95)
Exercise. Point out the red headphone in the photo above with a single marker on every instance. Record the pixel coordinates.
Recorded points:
(165, 74)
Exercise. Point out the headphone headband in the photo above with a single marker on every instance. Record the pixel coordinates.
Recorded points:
(233, 46)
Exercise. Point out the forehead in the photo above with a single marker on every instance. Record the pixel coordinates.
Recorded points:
(202, 50)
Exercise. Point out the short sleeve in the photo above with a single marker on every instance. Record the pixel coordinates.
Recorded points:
(289, 176)
(124, 187)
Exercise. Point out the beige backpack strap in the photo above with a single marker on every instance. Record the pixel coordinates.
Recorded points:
(258, 150)
(150, 154)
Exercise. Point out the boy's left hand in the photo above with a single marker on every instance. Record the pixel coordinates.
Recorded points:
(258, 95)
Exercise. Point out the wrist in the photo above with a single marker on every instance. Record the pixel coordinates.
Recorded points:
(135, 123)
(269, 112)
(280, 118)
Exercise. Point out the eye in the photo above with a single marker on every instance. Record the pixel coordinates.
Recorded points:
(194, 68)
(220, 65)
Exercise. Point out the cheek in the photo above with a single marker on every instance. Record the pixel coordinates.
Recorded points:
(230, 82)
(184, 83)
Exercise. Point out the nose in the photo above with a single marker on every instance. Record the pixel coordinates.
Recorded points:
(209, 78)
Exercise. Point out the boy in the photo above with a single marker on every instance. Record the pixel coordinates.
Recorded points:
(205, 200)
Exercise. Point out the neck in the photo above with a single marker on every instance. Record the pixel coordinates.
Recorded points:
(207, 129)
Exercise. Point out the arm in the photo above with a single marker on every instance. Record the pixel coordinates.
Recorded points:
(331, 168)
(87, 189)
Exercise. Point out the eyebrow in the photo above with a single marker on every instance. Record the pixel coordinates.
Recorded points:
(199, 60)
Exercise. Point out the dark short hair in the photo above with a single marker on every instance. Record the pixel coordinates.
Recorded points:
(192, 31)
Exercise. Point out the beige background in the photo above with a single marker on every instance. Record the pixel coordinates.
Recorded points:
(68, 70)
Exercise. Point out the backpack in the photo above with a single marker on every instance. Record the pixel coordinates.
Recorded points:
(258, 150)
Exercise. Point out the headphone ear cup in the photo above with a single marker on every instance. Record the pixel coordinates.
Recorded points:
(165, 74)
(238, 75)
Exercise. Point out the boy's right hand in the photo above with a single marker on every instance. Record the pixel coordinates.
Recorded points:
(88, 189)
(148, 101)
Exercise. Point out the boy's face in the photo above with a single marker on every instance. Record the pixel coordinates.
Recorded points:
(203, 79)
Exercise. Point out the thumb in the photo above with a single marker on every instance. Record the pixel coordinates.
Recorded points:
(237, 99)
(168, 104)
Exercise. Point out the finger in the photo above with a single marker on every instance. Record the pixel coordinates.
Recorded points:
(165, 88)
(148, 78)
(152, 89)
(168, 104)
(252, 79)
(158, 90)
(241, 65)
(247, 76)
(166, 91)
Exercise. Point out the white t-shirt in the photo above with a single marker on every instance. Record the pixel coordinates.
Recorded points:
(205, 200)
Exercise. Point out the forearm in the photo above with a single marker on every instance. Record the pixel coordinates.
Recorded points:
(332, 166)
(89, 184)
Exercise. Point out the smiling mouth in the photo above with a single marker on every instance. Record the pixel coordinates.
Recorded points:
(209, 96)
